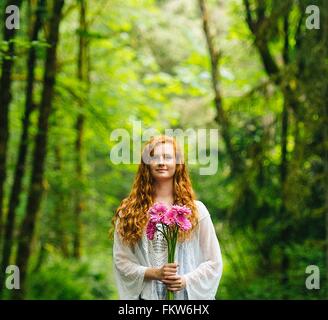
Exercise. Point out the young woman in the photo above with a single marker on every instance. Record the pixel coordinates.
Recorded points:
(140, 265)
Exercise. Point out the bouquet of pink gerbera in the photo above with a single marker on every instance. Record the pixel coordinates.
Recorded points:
(172, 220)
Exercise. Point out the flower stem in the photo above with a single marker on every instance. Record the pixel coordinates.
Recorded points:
(171, 244)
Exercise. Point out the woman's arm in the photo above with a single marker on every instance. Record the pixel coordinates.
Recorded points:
(166, 271)
(128, 270)
(131, 274)
(202, 283)
(152, 274)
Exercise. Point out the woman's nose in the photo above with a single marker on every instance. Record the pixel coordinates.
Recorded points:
(161, 160)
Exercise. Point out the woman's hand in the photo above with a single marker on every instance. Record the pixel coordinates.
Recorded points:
(167, 270)
(168, 275)
(175, 282)
(160, 274)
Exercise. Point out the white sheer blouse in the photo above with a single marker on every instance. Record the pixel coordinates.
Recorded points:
(199, 259)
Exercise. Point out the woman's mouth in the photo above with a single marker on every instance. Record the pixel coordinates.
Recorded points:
(161, 170)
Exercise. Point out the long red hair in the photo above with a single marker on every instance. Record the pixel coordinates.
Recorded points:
(132, 213)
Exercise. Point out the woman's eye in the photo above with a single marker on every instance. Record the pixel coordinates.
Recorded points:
(157, 158)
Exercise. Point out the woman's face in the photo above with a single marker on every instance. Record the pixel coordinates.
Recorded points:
(162, 165)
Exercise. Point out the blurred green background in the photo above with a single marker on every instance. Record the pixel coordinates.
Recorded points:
(75, 71)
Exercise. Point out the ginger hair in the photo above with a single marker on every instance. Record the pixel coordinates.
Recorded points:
(132, 214)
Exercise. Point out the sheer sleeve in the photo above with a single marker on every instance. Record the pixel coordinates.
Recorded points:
(129, 273)
(202, 283)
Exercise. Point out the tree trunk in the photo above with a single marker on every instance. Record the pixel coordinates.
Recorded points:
(82, 74)
(221, 117)
(325, 130)
(23, 147)
(285, 233)
(41, 258)
(284, 266)
(5, 99)
(61, 235)
(40, 148)
(290, 102)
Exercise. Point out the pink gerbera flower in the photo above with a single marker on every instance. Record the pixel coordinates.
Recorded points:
(170, 217)
(157, 212)
(181, 213)
(182, 210)
(151, 229)
(183, 223)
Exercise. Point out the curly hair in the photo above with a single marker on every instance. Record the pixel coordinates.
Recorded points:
(132, 213)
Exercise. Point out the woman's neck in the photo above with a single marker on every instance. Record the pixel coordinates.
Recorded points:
(164, 191)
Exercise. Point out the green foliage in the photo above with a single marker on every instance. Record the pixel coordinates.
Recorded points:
(148, 61)
(68, 279)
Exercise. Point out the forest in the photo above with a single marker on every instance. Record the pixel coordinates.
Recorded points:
(74, 71)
